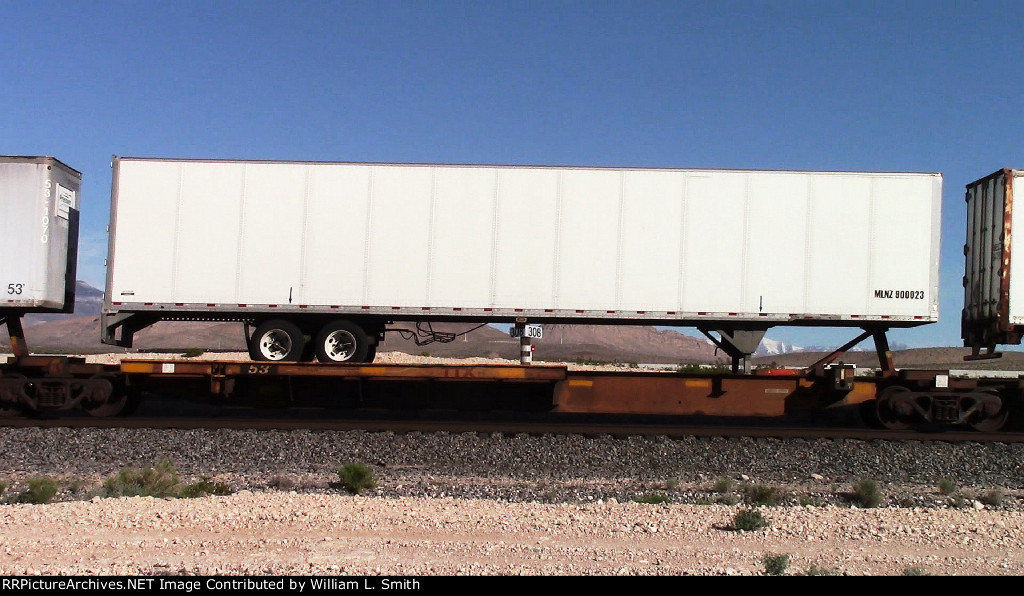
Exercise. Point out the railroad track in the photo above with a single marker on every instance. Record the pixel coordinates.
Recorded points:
(431, 422)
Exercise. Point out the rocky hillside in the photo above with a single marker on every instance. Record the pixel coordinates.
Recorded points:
(569, 343)
(88, 302)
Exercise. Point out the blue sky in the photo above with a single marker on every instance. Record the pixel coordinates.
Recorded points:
(857, 85)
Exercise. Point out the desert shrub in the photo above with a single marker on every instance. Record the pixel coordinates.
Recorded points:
(728, 499)
(653, 499)
(3, 486)
(809, 501)
(993, 498)
(193, 352)
(126, 483)
(775, 563)
(704, 369)
(866, 493)
(160, 480)
(947, 486)
(356, 478)
(40, 490)
(749, 520)
(758, 494)
(914, 572)
(78, 486)
(203, 488)
(723, 485)
(814, 569)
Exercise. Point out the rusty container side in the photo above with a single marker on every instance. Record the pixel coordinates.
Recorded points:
(989, 317)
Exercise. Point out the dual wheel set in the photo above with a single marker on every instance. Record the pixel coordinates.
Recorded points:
(338, 341)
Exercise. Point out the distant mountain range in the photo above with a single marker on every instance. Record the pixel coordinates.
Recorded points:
(80, 332)
(770, 347)
(88, 303)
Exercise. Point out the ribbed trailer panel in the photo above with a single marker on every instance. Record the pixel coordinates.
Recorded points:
(593, 244)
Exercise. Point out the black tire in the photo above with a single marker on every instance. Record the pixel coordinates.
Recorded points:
(277, 340)
(342, 341)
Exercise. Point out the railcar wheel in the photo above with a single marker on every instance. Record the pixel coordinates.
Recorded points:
(992, 423)
(104, 398)
(992, 414)
(133, 398)
(277, 340)
(342, 341)
(11, 407)
(888, 411)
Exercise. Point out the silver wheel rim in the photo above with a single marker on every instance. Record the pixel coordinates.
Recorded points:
(340, 345)
(275, 344)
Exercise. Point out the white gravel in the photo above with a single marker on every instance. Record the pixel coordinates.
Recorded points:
(315, 534)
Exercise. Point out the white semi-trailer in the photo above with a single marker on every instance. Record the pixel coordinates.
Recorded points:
(39, 240)
(321, 259)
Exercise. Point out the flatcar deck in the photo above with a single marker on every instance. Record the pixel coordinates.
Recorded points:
(564, 390)
(898, 401)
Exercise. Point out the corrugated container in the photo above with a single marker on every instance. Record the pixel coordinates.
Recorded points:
(38, 234)
(586, 244)
(993, 297)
